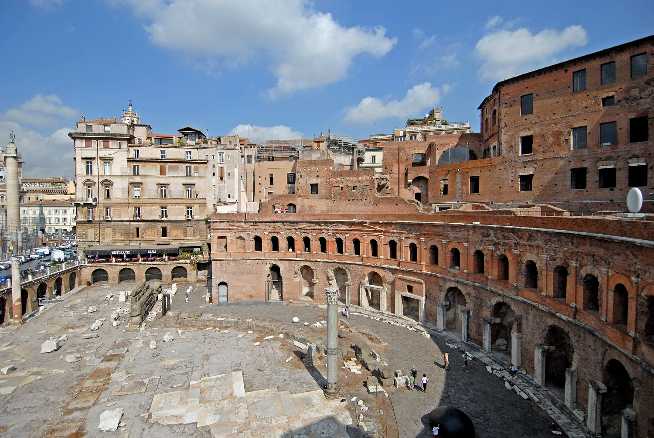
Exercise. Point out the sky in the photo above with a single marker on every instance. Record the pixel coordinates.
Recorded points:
(271, 69)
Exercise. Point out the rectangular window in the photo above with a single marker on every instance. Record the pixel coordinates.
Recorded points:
(136, 170)
(608, 134)
(137, 153)
(638, 130)
(607, 73)
(578, 178)
(637, 175)
(164, 231)
(136, 192)
(290, 178)
(638, 65)
(248, 159)
(163, 212)
(162, 154)
(107, 213)
(527, 104)
(373, 159)
(444, 187)
(608, 101)
(474, 184)
(189, 155)
(107, 167)
(163, 192)
(89, 128)
(88, 142)
(137, 212)
(89, 193)
(188, 170)
(89, 214)
(526, 183)
(189, 212)
(526, 144)
(107, 128)
(107, 192)
(88, 164)
(221, 157)
(189, 192)
(606, 177)
(579, 137)
(138, 232)
(579, 80)
(105, 144)
(162, 170)
(314, 188)
(271, 179)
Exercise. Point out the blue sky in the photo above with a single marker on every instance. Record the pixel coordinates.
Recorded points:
(276, 68)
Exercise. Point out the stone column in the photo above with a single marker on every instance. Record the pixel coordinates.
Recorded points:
(570, 391)
(15, 289)
(487, 335)
(382, 299)
(440, 317)
(627, 423)
(516, 349)
(539, 364)
(594, 415)
(13, 196)
(465, 319)
(332, 340)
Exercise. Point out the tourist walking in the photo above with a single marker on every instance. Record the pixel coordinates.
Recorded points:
(424, 381)
(446, 360)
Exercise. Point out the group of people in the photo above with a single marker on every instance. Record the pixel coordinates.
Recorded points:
(413, 383)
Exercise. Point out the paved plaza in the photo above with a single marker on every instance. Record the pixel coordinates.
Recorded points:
(193, 373)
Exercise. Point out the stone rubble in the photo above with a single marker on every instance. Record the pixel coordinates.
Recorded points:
(110, 419)
(49, 346)
(8, 369)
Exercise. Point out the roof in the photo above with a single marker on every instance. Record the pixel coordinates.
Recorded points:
(190, 129)
(549, 68)
(155, 134)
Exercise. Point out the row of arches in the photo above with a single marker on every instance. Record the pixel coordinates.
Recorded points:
(100, 275)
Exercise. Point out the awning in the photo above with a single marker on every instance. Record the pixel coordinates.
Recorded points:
(132, 251)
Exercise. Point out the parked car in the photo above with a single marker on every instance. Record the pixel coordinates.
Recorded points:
(5, 266)
(57, 255)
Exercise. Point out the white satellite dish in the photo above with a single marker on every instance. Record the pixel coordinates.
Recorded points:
(634, 200)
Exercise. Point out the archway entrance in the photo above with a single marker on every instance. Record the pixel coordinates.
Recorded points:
(275, 284)
(179, 272)
(24, 300)
(126, 274)
(619, 395)
(558, 357)
(420, 189)
(342, 280)
(41, 292)
(503, 319)
(72, 278)
(222, 293)
(455, 302)
(153, 273)
(3, 303)
(373, 290)
(58, 286)
(307, 281)
(99, 275)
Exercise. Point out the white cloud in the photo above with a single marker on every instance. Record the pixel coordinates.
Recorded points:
(304, 48)
(505, 53)
(417, 99)
(494, 21)
(260, 134)
(40, 111)
(41, 135)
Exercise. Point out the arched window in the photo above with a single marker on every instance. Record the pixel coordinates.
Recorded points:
(503, 268)
(494, 117)
(531, 275)
(392, 249)
(323, 244)
(455, 259)
(433, 255)
(478, 257)
(620, 304)
(560, 282)
(374, 250)
(258, 244)
(274, 243)
(413, 252)
(591, 293)
(356, 246)
(306, 243)
(290, 244)
(291, 208)
(339, 245)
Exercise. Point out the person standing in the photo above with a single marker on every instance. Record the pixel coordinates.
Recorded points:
(446, 360)
(424, 382)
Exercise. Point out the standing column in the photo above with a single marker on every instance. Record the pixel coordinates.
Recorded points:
(332, 339)
(13, 196)
(15, 290)
(487, 335)
(627, 423)
(516, 349)
(539, 364)
(594, 414)
(440, 317)
(465, 319)
(570, 391)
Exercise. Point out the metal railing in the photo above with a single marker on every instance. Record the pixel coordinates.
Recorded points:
(46, 273)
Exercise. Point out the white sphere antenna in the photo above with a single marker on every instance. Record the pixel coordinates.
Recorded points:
(634, 200)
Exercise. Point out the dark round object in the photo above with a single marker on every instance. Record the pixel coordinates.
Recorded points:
(451, 423)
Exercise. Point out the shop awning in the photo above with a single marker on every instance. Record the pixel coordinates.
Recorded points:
(105, 251)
